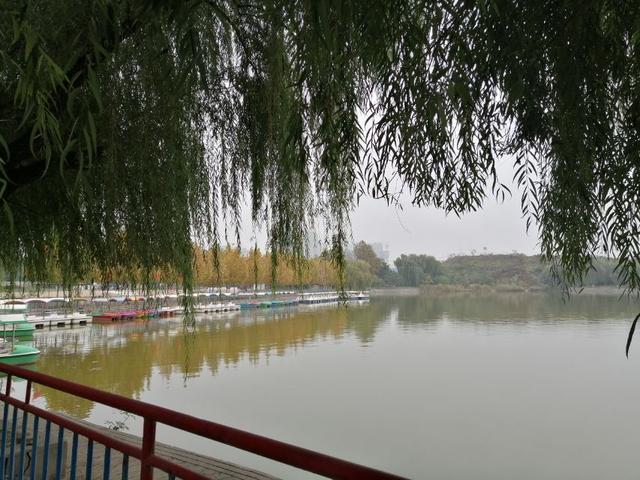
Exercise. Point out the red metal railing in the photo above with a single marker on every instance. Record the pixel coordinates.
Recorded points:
(153, 414)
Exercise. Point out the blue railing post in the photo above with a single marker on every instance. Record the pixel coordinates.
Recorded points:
(89, 465)
(12, 446)
(106, 466)
(34, 447)
(45, 454)
(5, 423)
(59, 452)
(23, 445)
(74, 457)
(125, 467)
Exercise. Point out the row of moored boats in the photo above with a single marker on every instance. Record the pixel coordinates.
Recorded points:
(218, 307)
(18, 325)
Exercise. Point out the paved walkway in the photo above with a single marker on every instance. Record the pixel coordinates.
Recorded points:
(210, 467)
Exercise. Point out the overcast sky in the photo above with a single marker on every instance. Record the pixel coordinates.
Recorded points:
(498, 227)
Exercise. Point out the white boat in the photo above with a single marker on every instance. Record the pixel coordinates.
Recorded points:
(169, 311)
(216, 307)
(12, 310)
(358, 296)
(310, 298)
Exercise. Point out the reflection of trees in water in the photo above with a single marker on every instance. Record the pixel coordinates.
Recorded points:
(110, 364)
(364, 321)
(123, 358)
(61, 402)
(419, 310)
(495, 308)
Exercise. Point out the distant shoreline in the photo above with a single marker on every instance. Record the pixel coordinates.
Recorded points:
(395, 291)
(485, 289)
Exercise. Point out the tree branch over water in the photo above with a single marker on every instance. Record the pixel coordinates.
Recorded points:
(144, 125)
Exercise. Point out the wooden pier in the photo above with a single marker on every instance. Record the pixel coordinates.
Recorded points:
(210, 467)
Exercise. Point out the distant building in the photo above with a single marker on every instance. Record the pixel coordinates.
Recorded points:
(381, 250)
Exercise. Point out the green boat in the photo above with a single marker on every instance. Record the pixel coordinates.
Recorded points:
(11, 351)
(13, 326)
(23, 331)
(15, 314)
(17, 354)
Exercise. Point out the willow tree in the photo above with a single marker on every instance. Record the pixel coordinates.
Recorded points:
(131, 128)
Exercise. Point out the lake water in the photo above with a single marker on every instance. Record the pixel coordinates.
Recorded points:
(493, 386)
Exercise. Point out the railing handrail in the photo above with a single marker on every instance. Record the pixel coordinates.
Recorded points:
(292, 455)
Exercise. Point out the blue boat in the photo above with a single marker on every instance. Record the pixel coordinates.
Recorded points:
(248, 305)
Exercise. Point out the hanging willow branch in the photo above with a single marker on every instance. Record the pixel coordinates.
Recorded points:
(131, 129)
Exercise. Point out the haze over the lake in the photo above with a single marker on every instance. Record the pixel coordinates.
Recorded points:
(496, 228)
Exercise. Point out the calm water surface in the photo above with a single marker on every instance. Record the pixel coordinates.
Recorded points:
(448, 387)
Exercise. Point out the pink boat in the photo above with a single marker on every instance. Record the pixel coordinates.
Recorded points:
(107, 317)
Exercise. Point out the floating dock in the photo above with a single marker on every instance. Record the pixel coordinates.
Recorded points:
(58, 320)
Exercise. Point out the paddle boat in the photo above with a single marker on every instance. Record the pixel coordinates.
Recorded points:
(312, 298)
(216, 307)
(11, 351)
(16, 313)
(361, 296)
(106, 317)
(169, 311)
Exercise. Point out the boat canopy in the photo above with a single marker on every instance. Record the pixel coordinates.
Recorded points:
(38, 300)
(9, 308)
(136, 299)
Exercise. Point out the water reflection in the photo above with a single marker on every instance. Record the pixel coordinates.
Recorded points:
(512, 308)
(403, 384)
(123, 358)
